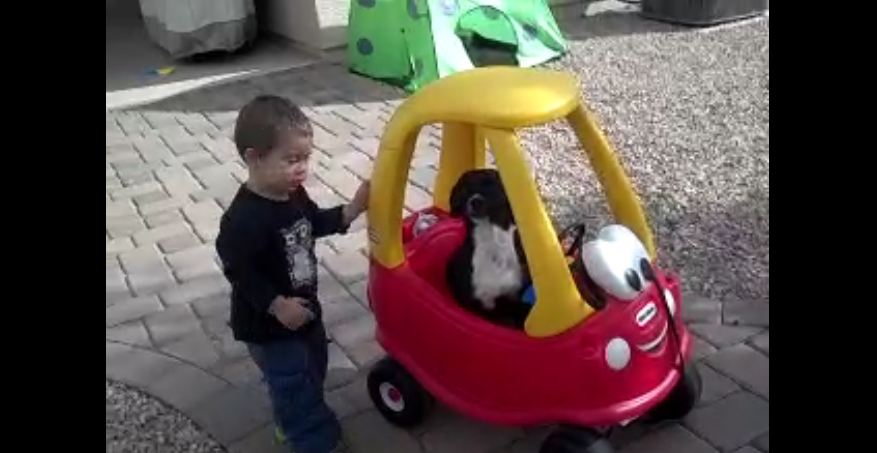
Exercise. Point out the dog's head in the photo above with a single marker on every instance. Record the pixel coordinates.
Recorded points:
(480, 196)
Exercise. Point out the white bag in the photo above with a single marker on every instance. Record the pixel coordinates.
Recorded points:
(188, 27)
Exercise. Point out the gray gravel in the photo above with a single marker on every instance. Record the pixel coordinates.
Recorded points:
(139, 423)
(688, 113)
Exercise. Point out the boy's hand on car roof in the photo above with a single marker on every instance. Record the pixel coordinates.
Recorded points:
(358, 204)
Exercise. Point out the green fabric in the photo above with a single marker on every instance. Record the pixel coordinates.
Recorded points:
(411, 43)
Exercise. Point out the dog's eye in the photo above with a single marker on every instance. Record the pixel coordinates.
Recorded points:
(476, 206)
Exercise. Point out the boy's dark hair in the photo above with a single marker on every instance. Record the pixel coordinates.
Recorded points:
(260, 121)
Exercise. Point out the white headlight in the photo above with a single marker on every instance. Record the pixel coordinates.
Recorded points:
(617, 353)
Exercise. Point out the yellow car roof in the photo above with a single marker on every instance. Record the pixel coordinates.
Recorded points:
(495, 97)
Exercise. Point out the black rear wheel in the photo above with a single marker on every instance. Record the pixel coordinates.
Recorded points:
(397, 395)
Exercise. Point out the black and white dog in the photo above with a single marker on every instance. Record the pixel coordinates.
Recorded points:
(488, 273)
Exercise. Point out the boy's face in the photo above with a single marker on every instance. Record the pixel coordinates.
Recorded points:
(284, 168)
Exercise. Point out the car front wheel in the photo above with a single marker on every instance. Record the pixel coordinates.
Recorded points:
(681, 399)
(569, 439)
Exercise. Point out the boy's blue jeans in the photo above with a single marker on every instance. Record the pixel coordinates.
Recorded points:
(294, 370)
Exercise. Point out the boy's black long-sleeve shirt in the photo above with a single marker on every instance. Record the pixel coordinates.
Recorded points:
(267, 250)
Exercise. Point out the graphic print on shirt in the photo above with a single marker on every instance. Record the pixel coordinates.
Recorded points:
(300, 262)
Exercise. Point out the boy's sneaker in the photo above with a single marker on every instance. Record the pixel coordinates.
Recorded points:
(279, 436)
(281, 439)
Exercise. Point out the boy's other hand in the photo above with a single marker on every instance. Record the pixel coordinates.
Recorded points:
(359, 203)
(291, 311)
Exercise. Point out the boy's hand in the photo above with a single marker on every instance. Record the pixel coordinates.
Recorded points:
(359, 203)
(291, 311)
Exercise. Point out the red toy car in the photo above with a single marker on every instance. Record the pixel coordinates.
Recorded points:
(572, 365)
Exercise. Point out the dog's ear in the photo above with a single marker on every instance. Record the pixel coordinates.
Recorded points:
(476, 206)
(459, 195)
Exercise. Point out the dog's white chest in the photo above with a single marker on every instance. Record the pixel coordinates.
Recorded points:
(495, 267)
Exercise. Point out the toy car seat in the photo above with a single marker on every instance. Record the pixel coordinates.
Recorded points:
(428, 254)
